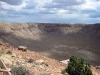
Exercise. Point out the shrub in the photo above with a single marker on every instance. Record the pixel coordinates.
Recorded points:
(20, 70)
(0, 65)
(1, 52)
(9, 52)
(77, 67)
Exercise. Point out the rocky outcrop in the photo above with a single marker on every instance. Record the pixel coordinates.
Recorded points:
(33, 61)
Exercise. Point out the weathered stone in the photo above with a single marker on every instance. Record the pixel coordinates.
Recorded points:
(38, 62)
(65, 61)
(30, 60)
(22, 48)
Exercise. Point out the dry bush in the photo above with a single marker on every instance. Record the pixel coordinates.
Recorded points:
(20, 70)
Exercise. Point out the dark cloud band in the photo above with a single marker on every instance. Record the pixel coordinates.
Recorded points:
(12, 2)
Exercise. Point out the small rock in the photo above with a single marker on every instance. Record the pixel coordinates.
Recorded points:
(30, 60)
(13, 55)
(44, 73)
(45, 64)
(39, 62)
(65, 61)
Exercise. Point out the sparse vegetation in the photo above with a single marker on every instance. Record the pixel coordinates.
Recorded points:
(77, 67)
(1, 52)
(9, 52)
(20, 70)
(0, 65)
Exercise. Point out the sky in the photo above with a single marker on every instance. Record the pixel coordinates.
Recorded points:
(50, 11)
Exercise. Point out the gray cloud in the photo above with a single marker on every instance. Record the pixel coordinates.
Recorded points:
(31, 4)
(69, 2)
(47, 11)
(92, 13)
(63, 3)
(12, 2)
(95, 15)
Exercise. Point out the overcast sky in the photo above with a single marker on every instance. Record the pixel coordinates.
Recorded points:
(50, 11)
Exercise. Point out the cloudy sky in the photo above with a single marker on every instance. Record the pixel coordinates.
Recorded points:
(50, 11)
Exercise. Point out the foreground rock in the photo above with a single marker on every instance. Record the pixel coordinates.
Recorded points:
(33, 61)
(65, 61)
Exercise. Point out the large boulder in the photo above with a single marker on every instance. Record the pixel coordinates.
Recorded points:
(22, 48)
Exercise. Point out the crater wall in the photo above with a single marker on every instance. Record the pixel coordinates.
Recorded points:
(43, 37)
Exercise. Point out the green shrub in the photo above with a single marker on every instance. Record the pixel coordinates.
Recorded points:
(9, 52)
(77, 67)
(0, 65)
(20, 70)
